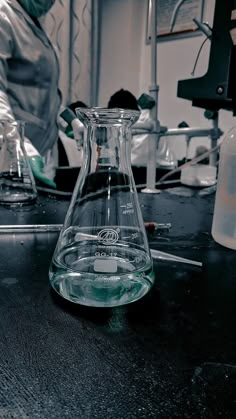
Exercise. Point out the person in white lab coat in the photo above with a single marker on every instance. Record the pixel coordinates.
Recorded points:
(29, 73)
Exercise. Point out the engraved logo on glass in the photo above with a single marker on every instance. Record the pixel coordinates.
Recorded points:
(108, 236)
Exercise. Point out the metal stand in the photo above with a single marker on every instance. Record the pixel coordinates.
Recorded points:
(156, 131)
(153, 91)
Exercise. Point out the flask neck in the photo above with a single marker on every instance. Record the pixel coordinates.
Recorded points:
(108, 138)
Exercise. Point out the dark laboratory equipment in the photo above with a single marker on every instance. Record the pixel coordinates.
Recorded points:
(217, 88)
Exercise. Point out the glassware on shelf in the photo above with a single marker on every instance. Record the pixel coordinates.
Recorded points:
(102, 257)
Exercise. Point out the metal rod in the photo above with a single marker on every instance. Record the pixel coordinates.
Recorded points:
(47, 228)
(30, 228)
(203, 27)
(174, 14)
(190, 132)
(214, 138)
(193, 132)
(153, 91)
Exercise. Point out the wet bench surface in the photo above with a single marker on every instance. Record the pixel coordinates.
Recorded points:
(171, 354)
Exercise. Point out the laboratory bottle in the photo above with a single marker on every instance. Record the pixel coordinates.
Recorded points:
(102, 257)
(224, 216)
(17, 184)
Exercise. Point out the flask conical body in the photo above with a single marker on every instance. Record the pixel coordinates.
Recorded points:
(102, 257)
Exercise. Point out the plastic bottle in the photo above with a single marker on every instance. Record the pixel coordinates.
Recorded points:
(224, 217)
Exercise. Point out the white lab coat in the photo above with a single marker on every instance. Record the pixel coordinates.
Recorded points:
(164, 158)
(29, 74)
(139, 143)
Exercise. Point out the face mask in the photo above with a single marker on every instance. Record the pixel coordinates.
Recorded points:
(37, 8)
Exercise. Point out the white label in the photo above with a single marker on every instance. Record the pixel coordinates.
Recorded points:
(105, 265)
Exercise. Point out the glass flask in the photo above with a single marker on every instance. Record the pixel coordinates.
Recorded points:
(165, 155)
(17, 184)
(102, 257)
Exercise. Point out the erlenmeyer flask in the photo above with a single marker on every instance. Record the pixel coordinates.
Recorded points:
(102, 257)
(17, 185)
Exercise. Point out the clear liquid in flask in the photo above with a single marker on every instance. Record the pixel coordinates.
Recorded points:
(96, 275)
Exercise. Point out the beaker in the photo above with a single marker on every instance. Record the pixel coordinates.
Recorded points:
(102, 257)
(17, 185)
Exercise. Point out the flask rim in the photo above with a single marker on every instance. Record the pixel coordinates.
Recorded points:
(107, 116)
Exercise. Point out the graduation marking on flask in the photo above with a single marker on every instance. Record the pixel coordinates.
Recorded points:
(127, 208)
